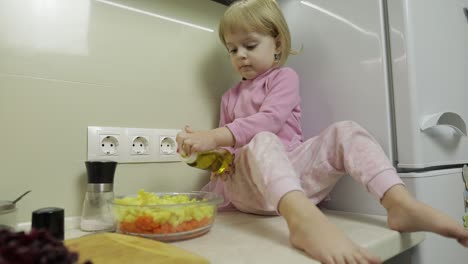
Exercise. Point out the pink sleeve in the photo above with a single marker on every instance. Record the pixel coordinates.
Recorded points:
(282, 97)
(224, 117)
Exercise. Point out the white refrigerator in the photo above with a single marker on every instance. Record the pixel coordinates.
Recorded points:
(400, 69)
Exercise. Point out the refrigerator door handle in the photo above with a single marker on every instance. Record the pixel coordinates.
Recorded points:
(465, 194)
(450, 119)
(465, 176)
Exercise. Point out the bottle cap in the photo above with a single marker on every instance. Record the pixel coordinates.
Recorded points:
(51, 219)
(188, 159)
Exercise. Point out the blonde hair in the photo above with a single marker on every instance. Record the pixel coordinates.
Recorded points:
(262, 16)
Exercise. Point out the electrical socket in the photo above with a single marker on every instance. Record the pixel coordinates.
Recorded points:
(132, 145)
(168, 144)
(141, 142)
(109, 145)
(105, 143)
(140, 146)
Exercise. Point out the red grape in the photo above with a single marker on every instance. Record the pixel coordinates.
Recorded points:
(36, 247)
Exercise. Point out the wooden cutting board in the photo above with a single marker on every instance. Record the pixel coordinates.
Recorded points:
(105, 248)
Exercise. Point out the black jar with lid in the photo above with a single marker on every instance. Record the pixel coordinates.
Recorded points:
(50, 219)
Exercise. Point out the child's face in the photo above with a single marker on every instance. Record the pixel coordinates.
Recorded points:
(251, 53)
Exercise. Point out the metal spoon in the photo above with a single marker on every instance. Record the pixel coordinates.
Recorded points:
(19, 198)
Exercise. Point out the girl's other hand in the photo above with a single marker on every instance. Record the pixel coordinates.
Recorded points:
(190, 141)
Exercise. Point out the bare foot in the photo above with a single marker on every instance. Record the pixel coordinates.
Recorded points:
(406, 214)
(325, 243)
(311, 232)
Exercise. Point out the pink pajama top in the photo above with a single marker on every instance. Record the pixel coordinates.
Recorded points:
(270, 102)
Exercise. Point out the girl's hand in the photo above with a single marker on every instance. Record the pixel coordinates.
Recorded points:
(226, 173)
(191, 141)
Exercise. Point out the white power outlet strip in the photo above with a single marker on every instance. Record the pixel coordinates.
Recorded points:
(132, 145)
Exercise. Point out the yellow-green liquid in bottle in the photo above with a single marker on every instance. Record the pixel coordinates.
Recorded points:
(212, 160)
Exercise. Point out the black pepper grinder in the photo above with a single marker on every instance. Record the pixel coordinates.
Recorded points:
(96, 213)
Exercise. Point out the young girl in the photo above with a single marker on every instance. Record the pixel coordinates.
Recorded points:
(274, 171)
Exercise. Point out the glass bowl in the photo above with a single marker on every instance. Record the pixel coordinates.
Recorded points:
(165, 216)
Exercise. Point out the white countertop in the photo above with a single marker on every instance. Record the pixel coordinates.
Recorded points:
(244, 238)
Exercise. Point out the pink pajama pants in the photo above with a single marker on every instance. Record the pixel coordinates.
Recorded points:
(265, 172)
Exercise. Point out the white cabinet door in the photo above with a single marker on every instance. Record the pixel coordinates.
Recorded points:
(429, 48)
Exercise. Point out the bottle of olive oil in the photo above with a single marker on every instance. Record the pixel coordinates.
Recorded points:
(214, 161)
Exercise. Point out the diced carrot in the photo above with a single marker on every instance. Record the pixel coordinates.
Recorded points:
(146, 225)
(165, 228)
(157, 230)
(205, 221)
(127, 227)
(181, 227)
